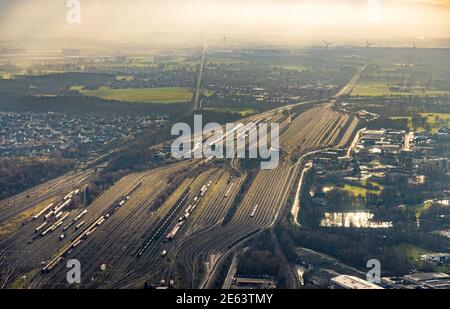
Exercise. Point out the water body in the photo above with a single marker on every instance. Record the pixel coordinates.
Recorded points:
(444, 202)
(445, 233)
(359, 219)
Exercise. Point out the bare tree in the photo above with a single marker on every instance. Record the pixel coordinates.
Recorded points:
(7, 269)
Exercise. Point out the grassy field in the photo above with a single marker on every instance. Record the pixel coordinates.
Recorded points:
(220, 59)
(147, 95)
(13, 224)
(414, 252)
(5, 75)
(436, 121)
(208, 93)
(410, 125)
(372, 89)
(297, 68)
(359, 191)
(244, 112)
(125, 78)
(421, 208)
(22, 281)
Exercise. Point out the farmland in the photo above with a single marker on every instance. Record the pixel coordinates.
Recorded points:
(375, 88)
(359, 191)
(434, 121)
(147, 95)
(244, 112)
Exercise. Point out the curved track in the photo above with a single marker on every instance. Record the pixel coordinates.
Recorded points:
(203, 240)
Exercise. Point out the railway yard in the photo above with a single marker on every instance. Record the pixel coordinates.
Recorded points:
(124, 239)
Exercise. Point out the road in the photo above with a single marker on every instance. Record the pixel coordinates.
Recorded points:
(296, 205)
(231, 273)
(347, 89)
(197, 103)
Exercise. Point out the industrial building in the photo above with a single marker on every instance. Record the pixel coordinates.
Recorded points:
(353, 283)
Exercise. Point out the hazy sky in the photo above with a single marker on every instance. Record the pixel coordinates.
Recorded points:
(118, 19)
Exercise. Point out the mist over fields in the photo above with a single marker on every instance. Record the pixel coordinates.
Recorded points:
(287, 21)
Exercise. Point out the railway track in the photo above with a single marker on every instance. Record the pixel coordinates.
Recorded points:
(320, 127)
(130, 242)
(13, 206)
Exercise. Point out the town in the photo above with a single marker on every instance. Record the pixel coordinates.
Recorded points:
(78, 136)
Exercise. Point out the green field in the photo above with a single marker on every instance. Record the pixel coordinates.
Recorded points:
(359, 191)
(147, 95)
(370, 89)
(297, 68)
(421, 208)
(244, 112)
(373, 88)
(5, 75)
(125, 78)
(436, 121)
(413, 252)
(223, 59)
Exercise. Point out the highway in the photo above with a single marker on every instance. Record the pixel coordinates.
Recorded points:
(347, 89)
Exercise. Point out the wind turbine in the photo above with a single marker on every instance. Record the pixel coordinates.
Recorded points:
(326, 45)
(368, 44)
(414, 49)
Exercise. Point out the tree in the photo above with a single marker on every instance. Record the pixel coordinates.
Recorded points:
(7, 269)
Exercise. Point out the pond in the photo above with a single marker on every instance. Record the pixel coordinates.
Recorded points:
(360, 219)
(444, 202)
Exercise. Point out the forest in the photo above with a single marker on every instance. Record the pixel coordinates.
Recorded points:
(18, 174)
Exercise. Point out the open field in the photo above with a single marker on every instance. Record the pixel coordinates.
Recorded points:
(421, 208)
(125, 78)
(223, 59)
(359, 191)
(5, 75)
(241, 111)
(370, 89)
(414, 252)
(14, 223)
(298, 68)
(147, 95)
(435, 121)
(373, 88)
